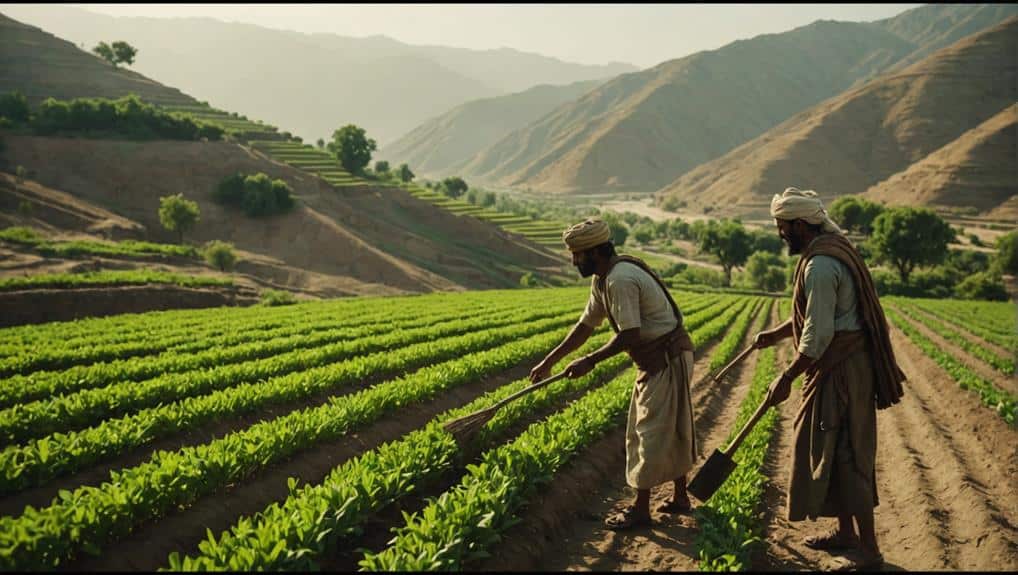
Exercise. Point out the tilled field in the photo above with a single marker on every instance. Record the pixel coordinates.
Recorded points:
(309, 437)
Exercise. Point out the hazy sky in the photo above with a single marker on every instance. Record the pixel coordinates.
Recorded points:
(643, 34)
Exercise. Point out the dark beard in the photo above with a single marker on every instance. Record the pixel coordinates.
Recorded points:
(586, 269)
(794, 245)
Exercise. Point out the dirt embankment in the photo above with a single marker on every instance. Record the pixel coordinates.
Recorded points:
(337, 241)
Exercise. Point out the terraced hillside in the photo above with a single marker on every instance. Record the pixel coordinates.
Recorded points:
(299, 438)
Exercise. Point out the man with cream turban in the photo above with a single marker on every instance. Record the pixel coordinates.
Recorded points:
(660, 443)
(844, 349)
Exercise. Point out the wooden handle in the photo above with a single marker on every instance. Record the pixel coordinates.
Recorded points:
(735, 361)
(530, 388)
(749, 425)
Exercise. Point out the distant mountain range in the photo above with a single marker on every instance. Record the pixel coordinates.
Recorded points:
(641, 131)
(311, 84)
(949, 113)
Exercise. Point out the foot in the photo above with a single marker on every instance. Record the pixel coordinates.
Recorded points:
(628, 518)
(856, 561)
(681, 505)
(831, 541)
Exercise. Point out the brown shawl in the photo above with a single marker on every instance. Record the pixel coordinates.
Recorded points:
(649, 357)
(887, 375)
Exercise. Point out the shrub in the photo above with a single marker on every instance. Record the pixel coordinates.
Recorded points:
(984, 285)
(220, 255)
(257, 194)
(974, 240)
(273, 297)
(14, 107)
(178, 214)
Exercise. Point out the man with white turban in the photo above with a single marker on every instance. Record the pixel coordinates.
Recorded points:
(840, 333)
(660, 443)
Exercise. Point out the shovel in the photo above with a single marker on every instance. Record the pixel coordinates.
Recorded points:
(720, 465)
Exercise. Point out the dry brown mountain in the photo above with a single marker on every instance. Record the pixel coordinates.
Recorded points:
(440, 146)
(979, 169)
(865, 135)
(642, 130)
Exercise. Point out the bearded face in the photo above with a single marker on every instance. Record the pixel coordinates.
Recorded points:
(585, 264)
(792, 235)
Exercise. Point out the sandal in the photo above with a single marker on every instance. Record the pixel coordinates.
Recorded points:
(857, 562)
(675, 506)
(830, 541)
(627, 519)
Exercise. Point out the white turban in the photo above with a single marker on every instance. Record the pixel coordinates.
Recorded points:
(796, 204)
(586, 234)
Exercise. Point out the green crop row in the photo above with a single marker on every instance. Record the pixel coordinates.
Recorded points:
(465, 521)
(730, 525)
(117, 277)
(184, 359)
(976, 325)
(61, 453)
(359, 488)
(991, 396)
(84, 520)
(705, 328)
(28, 237)
(729, 346)
(88, 407)
(1004, 365)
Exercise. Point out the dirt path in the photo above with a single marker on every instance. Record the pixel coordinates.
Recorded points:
(562, 529)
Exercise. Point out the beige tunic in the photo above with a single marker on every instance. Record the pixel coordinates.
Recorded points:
(660, 441)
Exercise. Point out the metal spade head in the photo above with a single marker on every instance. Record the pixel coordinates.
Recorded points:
(711, 475)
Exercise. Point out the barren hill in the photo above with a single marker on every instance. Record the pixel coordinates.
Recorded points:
(978, 169)
(355, 241)
(642, 130)
(441, 145)
(40, 65)
(857, 139)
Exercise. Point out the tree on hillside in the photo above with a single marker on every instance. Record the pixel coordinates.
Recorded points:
(118, 53)
(382, 168)
(1006, 259)
(909, 237)
(14, 107)
(730, 242)
(855, 214)
(320, 143)
(405, 175)
(352, 147)
(454, 186)
(178, 214)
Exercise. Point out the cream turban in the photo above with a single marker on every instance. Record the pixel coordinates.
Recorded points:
(586, 234)
(796, 204)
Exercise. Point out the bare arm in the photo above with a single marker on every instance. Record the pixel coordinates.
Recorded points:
(623, 341)
(771, 337)
(577, 337)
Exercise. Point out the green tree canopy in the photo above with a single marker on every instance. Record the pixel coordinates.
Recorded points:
(1006, 259)
(909, 237)
(352, 147)
(118, 53)
(382, 168)
(856, 214)
(14, 107)
(454, 186)
(729, 241)
(178, 214)
(766, 271)
(404, 173)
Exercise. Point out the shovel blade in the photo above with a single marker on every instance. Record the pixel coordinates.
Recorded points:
(711, 475)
